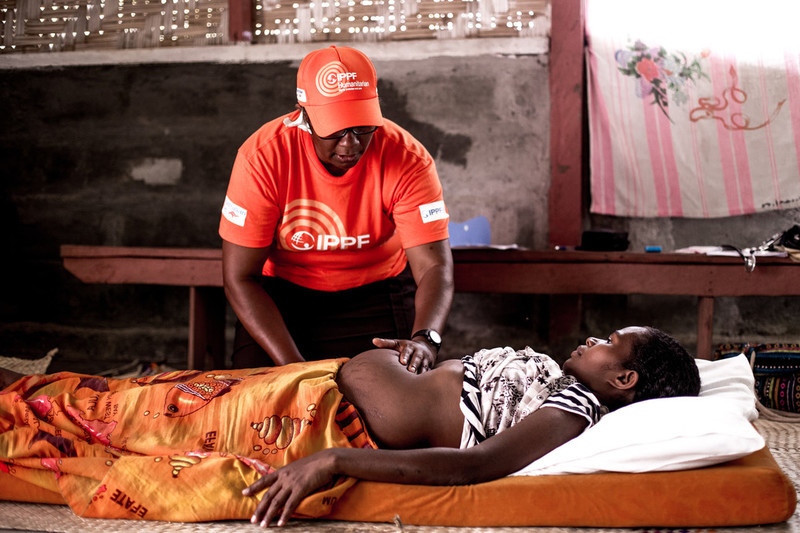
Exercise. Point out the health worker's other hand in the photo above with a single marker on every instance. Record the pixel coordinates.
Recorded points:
(417, 356)
(287, 486)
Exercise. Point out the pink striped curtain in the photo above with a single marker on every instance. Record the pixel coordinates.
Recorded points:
(694, 107)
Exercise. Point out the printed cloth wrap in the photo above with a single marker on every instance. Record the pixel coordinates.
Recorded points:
(177, 446)
(503, 386)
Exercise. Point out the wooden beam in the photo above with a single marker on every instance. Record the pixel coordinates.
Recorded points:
(483, 270)
(566, 205)
(240, 20)
(149, 266)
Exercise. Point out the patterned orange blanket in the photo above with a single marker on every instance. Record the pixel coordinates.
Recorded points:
(178, 446)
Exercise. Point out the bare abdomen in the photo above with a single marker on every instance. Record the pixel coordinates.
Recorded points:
(404, 410)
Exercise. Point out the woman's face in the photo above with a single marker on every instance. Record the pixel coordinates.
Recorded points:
(598, 361)
(340, 155)
(342, 150)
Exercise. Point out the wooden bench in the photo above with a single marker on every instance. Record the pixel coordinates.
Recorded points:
(476, 270)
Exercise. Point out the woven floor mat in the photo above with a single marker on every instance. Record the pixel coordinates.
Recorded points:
(28, 366)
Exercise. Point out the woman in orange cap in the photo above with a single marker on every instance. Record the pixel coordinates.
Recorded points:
(334, 228)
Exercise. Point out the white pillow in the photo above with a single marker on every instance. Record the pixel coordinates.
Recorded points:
(668, 433)
(731, 379)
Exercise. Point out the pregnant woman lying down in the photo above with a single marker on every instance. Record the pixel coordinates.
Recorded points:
(306, 427)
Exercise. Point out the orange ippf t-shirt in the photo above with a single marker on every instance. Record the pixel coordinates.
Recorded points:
(332, 233)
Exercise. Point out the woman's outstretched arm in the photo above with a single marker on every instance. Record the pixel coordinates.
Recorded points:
(498, 456)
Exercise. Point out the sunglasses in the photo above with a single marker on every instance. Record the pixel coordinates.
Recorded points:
(357, 130)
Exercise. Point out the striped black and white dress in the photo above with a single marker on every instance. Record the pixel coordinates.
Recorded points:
(502, 386)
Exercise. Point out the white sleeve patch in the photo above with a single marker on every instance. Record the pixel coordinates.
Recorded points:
(233, 212)
(433, 211)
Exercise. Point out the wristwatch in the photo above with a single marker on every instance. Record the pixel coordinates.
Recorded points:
(430, 335)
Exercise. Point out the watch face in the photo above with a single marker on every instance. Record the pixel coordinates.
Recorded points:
(435, 337)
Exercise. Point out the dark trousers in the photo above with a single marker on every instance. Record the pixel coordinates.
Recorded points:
(334, 324)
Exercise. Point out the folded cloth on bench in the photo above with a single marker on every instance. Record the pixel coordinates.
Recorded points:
(162, 446)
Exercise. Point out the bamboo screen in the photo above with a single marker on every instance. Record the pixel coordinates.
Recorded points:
(286, 21)
(55, 25)
(60, 25)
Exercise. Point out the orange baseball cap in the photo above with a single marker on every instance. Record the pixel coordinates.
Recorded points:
(338, 88)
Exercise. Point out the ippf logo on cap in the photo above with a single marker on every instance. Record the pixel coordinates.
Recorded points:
(333, 79)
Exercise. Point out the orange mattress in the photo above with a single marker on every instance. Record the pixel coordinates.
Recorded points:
(748, 491)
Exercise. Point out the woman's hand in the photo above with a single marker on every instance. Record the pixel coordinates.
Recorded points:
(288, 486)
(416, 355)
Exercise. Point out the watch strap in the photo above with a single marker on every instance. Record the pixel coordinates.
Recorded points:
(428, 335)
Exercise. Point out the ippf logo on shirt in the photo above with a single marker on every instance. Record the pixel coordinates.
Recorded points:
(333, 79)
(433, 211)
(309, 225)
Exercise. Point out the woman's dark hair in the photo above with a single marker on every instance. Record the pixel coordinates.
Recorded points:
(665, 368)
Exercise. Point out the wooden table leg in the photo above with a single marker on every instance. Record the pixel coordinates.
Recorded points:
(705, 326)
(206, 327)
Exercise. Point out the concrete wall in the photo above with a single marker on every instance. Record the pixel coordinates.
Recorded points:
(139, 154)
(134, 149)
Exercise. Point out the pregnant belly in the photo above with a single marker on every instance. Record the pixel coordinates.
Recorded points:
(404, 410)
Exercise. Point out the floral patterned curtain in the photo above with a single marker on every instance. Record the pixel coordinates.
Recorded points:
(694, 107)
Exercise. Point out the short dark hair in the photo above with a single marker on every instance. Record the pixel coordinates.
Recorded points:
(665, 368)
